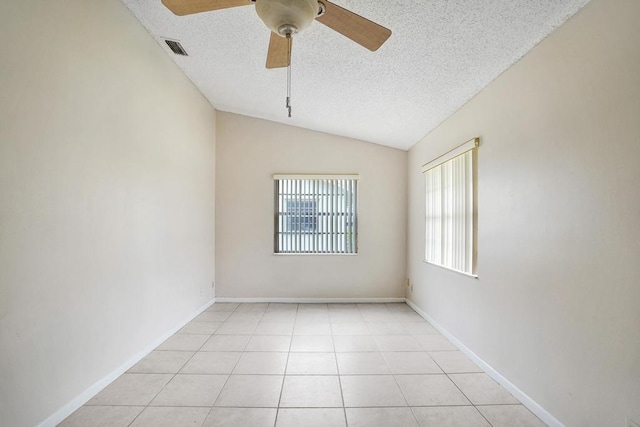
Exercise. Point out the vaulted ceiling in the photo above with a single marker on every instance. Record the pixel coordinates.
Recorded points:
(441, 53)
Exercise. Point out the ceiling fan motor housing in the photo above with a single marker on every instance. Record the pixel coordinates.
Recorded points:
(286, 17)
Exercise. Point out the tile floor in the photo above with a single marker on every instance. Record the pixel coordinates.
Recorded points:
(306, 365)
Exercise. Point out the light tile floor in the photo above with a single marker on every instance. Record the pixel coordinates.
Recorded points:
(305, 365)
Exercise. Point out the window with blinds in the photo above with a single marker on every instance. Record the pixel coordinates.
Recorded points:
(450, 232)
(316, 214)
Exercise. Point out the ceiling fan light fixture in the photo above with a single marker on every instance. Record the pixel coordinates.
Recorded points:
(287, 16)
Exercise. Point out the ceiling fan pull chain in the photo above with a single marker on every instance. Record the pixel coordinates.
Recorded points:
(289, 74)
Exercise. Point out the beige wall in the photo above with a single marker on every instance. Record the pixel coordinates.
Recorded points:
(107, 199)
(556, 309)
(249, 152)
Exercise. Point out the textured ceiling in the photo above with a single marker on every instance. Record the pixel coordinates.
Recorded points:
(441, 53)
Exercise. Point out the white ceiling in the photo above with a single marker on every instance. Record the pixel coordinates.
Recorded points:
(441, 53)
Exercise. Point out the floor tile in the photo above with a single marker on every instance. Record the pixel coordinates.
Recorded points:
(269, 343)
(387, 328)
(237, 328)
(274, 328)
(321, 417)
(253, 306)
(350, 328)
(312, 316)
(200, 328)
(454, 362)
(311, 392)
(345, 316)
(205, 362)
(312, 343)
(310, 310)
(332, 306)
(246, 316)
(510, 416)
(450, 416)
(312, 364)
(355, 343)
(397, 343)
(402, 362)
(430, 390)
(171, 417)
(267, 363)
(398, 306)
(213, 316)
(371, 390)
(312, 328)
(434, 342)
(223, 306)
(278, 306)
(420, 328)
(183, 342)
(257, 391)
(279, 316)
(102, 416)
(226, 343)
(372, 306)
(381, 417)
(362, 363)
(162, 362)
(190, 390)
(407, 316)
(313, 307)
(131, 390)
(377, 316)
(241, 417)
(481, 389)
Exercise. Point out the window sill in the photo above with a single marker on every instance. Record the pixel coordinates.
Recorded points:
(473, 276)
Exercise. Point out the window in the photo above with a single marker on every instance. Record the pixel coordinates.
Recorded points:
(316, 214)
(450, 232)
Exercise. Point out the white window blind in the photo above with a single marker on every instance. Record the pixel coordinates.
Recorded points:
(315, 214)
(450, 236)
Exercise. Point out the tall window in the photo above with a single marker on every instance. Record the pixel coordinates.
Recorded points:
(316, 214)
(450, 232)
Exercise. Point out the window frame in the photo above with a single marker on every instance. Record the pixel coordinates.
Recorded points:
(469, 183)
(349, 245)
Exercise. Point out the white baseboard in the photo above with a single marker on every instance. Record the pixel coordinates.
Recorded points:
(533, 406)
(309, 300)
(84, 397)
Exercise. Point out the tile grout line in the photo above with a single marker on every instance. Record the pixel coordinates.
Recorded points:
(463, 393)
(213, 405)
(467, 397)
(400, 388)
(237, 361)
(286, 365)
(335, 357)
(181, 367)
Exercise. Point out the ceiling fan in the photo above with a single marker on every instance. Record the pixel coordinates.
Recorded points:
(288, 17)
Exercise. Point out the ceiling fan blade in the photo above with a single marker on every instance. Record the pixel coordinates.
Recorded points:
(188, 7)
(278, 55)
(351, 25)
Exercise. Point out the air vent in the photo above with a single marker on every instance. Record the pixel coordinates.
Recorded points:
(176, 47)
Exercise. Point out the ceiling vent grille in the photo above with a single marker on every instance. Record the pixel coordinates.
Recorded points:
(176, 47)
